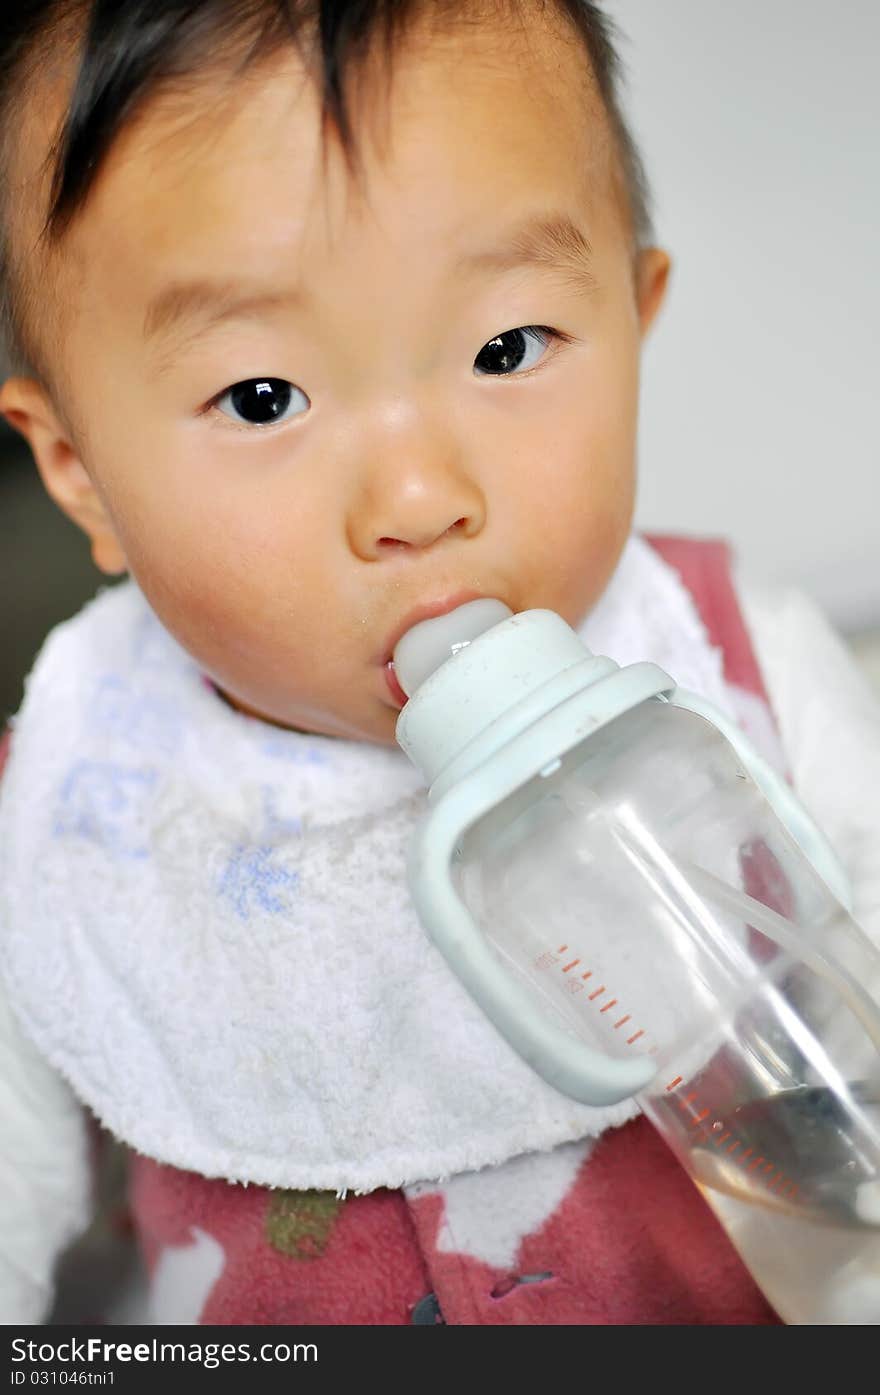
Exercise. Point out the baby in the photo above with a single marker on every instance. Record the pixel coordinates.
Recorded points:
(327, 318)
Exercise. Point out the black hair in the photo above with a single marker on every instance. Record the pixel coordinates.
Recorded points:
(128, 48)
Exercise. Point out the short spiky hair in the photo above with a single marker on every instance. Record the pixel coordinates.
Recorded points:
(127, 49)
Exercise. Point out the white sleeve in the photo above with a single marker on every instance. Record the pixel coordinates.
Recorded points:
(45, 1174)
(829, 720)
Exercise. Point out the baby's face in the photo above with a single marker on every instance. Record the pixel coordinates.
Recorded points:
(314, 415)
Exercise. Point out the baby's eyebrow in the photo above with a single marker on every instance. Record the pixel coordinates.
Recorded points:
(551, 240)
(208, 300)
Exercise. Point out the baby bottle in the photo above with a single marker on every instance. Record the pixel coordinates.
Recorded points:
(642, 908)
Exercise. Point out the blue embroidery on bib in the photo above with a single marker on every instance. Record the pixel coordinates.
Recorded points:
(249, 878)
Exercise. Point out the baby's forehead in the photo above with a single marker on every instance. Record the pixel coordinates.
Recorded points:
(69, 130)
(177, 186)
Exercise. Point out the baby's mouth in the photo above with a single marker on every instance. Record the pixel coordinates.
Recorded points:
(394, 687)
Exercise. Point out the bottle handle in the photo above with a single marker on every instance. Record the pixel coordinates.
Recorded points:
(782, 799)
(561, 1058)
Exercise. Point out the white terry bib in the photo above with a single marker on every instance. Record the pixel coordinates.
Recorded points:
(206, 927)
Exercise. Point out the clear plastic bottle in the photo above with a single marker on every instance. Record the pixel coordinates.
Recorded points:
(607, 876)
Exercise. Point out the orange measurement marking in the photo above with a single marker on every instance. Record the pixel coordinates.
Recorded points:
(719, 1141)
(755, 1164)
(769, 1167)
(734, 1145)
(572, 965)
(588, 974)
(596, 992)
(622, 1020)
(672, 1084)
(699, 1118)
(608, 1005)
(745, 1155)
(562, 949)
(635, 1036)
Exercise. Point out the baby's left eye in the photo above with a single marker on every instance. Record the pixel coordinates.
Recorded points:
(262, 401)
(515, 351)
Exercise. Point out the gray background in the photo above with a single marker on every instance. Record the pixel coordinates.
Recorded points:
(46, 572)
(760, 127)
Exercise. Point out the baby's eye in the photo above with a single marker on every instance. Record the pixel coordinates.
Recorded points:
(262, 401)
(515, 351)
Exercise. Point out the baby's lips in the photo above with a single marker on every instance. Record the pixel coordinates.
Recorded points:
(397, 692)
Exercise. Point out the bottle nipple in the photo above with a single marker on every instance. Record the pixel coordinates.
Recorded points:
(430, 643)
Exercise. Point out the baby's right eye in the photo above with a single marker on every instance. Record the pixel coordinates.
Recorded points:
(262, 401)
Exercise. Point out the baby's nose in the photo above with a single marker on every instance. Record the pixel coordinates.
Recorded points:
(413, 503)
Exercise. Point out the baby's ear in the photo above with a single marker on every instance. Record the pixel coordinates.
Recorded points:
(27, 406)
(652, 278)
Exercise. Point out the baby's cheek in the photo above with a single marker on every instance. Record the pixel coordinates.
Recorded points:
(587, 544)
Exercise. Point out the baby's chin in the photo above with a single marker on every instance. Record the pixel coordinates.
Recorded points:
(377, 725)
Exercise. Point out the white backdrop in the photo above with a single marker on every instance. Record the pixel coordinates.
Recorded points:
(760, 127)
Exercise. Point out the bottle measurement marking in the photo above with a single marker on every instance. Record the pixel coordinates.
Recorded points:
(548, 960)
(759, 1166)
